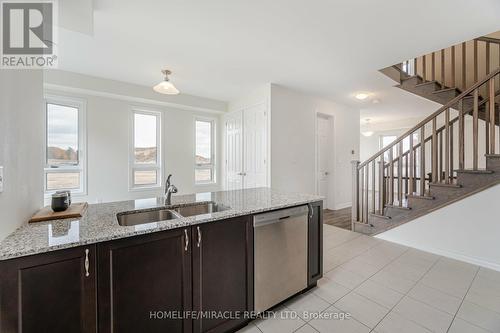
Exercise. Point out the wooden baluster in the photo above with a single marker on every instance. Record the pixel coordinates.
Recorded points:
(367, 176)
(464, 66)
(487, 58)
(452, 145)
(443, 83)
(355, 193)
(424, 68)
(476, 64)
(461, 134)
(453, 82)
(422, 160)
(492, 114)
(400, 174)
(434, 159)
(433, 66)
(441, 153)
(391, 177)
(374, 176)
(475, 115)
(415, 66)
(406, 191)
(411, 177)
(414, 170)
(447, 145)
(362, 194)
(381, 185)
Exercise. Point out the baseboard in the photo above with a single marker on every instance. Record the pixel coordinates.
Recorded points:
(449, 254)
(343, 205)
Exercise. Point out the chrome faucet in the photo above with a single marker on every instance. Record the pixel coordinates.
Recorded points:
(169, 189)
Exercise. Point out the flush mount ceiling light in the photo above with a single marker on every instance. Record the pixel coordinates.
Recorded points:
(368, 128)
(166, 87)
(362, 96)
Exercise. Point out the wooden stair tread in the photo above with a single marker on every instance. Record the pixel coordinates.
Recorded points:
(397, 207)
(479, 171)
(423, 197)
(445, 90)
(380, 216)
(449, 185)
(492, 155)
(427, 83)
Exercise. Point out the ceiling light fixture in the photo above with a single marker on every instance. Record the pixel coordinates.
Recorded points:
(166, 87)
(362, 96)
(369, 132)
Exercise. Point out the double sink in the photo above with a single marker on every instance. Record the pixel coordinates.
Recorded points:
(171, 213)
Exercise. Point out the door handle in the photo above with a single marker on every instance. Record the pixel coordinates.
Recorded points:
(186, 240)
(199, 236)
(311, 211)
(87, 262)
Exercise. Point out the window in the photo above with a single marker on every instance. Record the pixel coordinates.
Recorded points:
(204, 172)
(65, 145)
(145, 155)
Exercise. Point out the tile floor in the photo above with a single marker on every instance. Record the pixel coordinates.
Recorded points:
(389, 288)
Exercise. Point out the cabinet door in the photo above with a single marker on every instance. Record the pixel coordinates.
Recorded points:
(143, 280)
(222, 272)
(315, 243)
(50, 292)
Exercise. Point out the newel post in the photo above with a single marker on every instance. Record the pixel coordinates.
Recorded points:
(355, 191)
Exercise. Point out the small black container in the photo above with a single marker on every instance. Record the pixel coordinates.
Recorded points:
(61, 201)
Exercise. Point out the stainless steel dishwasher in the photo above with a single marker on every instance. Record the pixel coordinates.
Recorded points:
(280, 255)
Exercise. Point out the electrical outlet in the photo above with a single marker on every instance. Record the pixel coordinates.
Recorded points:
(1, 179)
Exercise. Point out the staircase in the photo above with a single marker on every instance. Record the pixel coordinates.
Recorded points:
(451, 154)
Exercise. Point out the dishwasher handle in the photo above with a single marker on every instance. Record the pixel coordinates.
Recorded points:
(279, 216)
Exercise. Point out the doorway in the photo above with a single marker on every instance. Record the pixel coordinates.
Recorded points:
(324, 158)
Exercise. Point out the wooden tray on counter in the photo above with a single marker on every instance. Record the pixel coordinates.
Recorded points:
(46, 213)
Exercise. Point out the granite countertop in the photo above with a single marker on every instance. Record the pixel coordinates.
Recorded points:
(100, 223)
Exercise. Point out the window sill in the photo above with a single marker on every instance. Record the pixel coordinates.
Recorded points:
(145, 188)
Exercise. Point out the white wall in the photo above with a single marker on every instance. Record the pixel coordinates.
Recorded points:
(293, 160)
(21, 146)
(108, 136)
(466, 230)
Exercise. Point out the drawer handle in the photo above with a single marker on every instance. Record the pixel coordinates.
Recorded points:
(311, 211)
(199, 237)
(186, 240)
(87, 262)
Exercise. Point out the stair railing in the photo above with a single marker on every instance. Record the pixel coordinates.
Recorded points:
(396, 172)
(458, 66)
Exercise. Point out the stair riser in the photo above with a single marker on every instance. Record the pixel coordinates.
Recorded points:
(440, 192)
(394, 212)
(445, 97)
(427, 88)
(471, 180)
(411, 82)
(493, 164)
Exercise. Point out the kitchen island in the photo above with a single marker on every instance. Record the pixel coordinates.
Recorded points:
(185, 274)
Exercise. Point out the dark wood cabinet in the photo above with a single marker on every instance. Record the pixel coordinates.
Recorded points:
(222, 273)
(51, 292)
(315, 243)
(144, 283)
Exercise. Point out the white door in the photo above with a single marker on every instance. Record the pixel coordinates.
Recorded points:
(234, 151)
(255, 146)
(324, 145)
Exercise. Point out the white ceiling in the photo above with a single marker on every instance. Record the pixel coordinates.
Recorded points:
(224, 49)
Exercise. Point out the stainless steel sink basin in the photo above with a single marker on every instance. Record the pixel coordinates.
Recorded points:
(135, 218)
(199, 209)
(128, 219)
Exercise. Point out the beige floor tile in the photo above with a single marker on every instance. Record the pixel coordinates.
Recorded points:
(479, 316)
(379, 293)
(435, 298)
(306, 304)
(395, 323)
(426, 316)
(306, 329)
(250, 328)
(346, 278)
(489, 274)
(330, 325)
(393, 281)
(364, 310)
(461, 326)
(360, 267)
(330, 291)
(284, 321)
(487, 300)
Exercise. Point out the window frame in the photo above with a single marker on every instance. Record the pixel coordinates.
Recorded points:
(81, 167)
(145, 167)
(213, 151)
